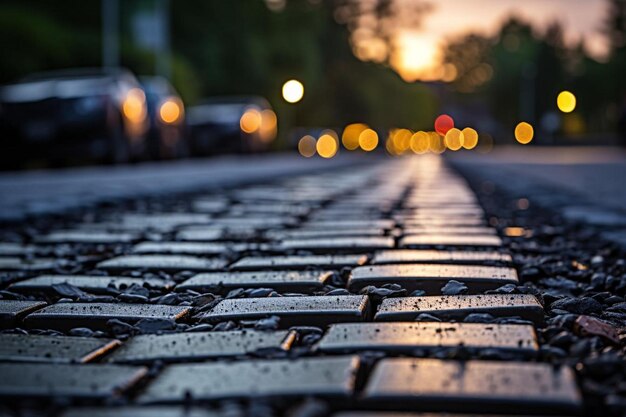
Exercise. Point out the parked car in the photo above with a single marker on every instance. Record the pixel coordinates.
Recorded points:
(231, 124)
(166, 113)
(86, 113)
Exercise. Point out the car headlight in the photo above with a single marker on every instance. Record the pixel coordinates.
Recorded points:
(171, 111)
(134, 105)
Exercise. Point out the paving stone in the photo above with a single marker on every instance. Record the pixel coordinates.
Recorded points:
(261, 222)
(211, 205)
(314, 310)
(271, 209)
(407, 337)
(444, 220)
(56, 349)
(400, 256)
(162, 262)
(15, 249)
(65, 316)
(138, 411)
(188, 248)
(298, 262)
(95, 284)
(302, 281)
(450, 240)
(322, 233)
(163, 221)
(12, 310)
(432, 277)
(449, 230)
(79, 236)
(457, 307)
(191, 346)
(472, 386)
(205, 234)
(339, 243)
(351, 224)
(12, 263)
(92, 381)
(319, 377)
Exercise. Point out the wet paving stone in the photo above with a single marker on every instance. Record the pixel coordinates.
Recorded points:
(185, 347)
(472, 386)
(308, 310)
(210, 205)
(322, 233)
(204, 234)
(162, 222)
(283, 281)
(162, 262)
(12, 310)
(443, 221)
(79, 236)
(449, 230)
(339, 244)
(407, 256)
(457, 307)
(351, 224)
(298, 262)
(91, 381)
(95, 284)
(15, 249)
(53, 349)
(407, 337)
(146, 411)
(332, 377)
(65, 316)
(187, 248)
(450, 240)
(432, 277)
(12, 263)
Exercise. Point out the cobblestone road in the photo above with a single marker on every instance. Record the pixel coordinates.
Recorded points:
(361, 290)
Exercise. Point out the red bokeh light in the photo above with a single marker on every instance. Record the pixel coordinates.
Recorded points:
(443, 123)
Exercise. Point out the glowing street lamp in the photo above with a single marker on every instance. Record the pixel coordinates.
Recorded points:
(293, 91)
(566, 101)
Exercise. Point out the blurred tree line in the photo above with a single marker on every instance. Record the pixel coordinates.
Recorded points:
(223, 48)
(517, 74)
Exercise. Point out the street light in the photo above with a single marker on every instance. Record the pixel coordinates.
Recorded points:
(293, 90)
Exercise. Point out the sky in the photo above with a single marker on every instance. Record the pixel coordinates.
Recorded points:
(581, 19)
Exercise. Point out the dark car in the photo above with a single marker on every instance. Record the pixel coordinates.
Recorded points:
(231, 124)
(97, 114)
(166, 112)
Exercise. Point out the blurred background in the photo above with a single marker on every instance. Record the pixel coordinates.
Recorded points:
(117, 81)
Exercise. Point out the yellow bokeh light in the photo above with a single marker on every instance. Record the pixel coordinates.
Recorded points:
(350, 136)
(307, 146)
(401, 139)
(250, 121)
(293, 91)
(436, 143)
(470, 138)
(327, 146)
(269, 125)
(566, 101)
(368, 140)
(420, 142)
(134, 106)
(524, 133)
(171, 111)
(454, 139)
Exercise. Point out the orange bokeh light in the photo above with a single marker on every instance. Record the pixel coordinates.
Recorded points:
(443, 123)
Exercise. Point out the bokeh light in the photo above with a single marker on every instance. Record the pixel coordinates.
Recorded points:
(566, 101)
(524, 133)
(293, 91)
(350, 136)
(368, 140)
(250, 120)
(443, 123)
(307, 146)
(420, 142)
(269, 125)
(436, 143)
(171, 111)
(134, 106)
(454, 139)
(327, 146)
(470, 138)
(401, 139)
